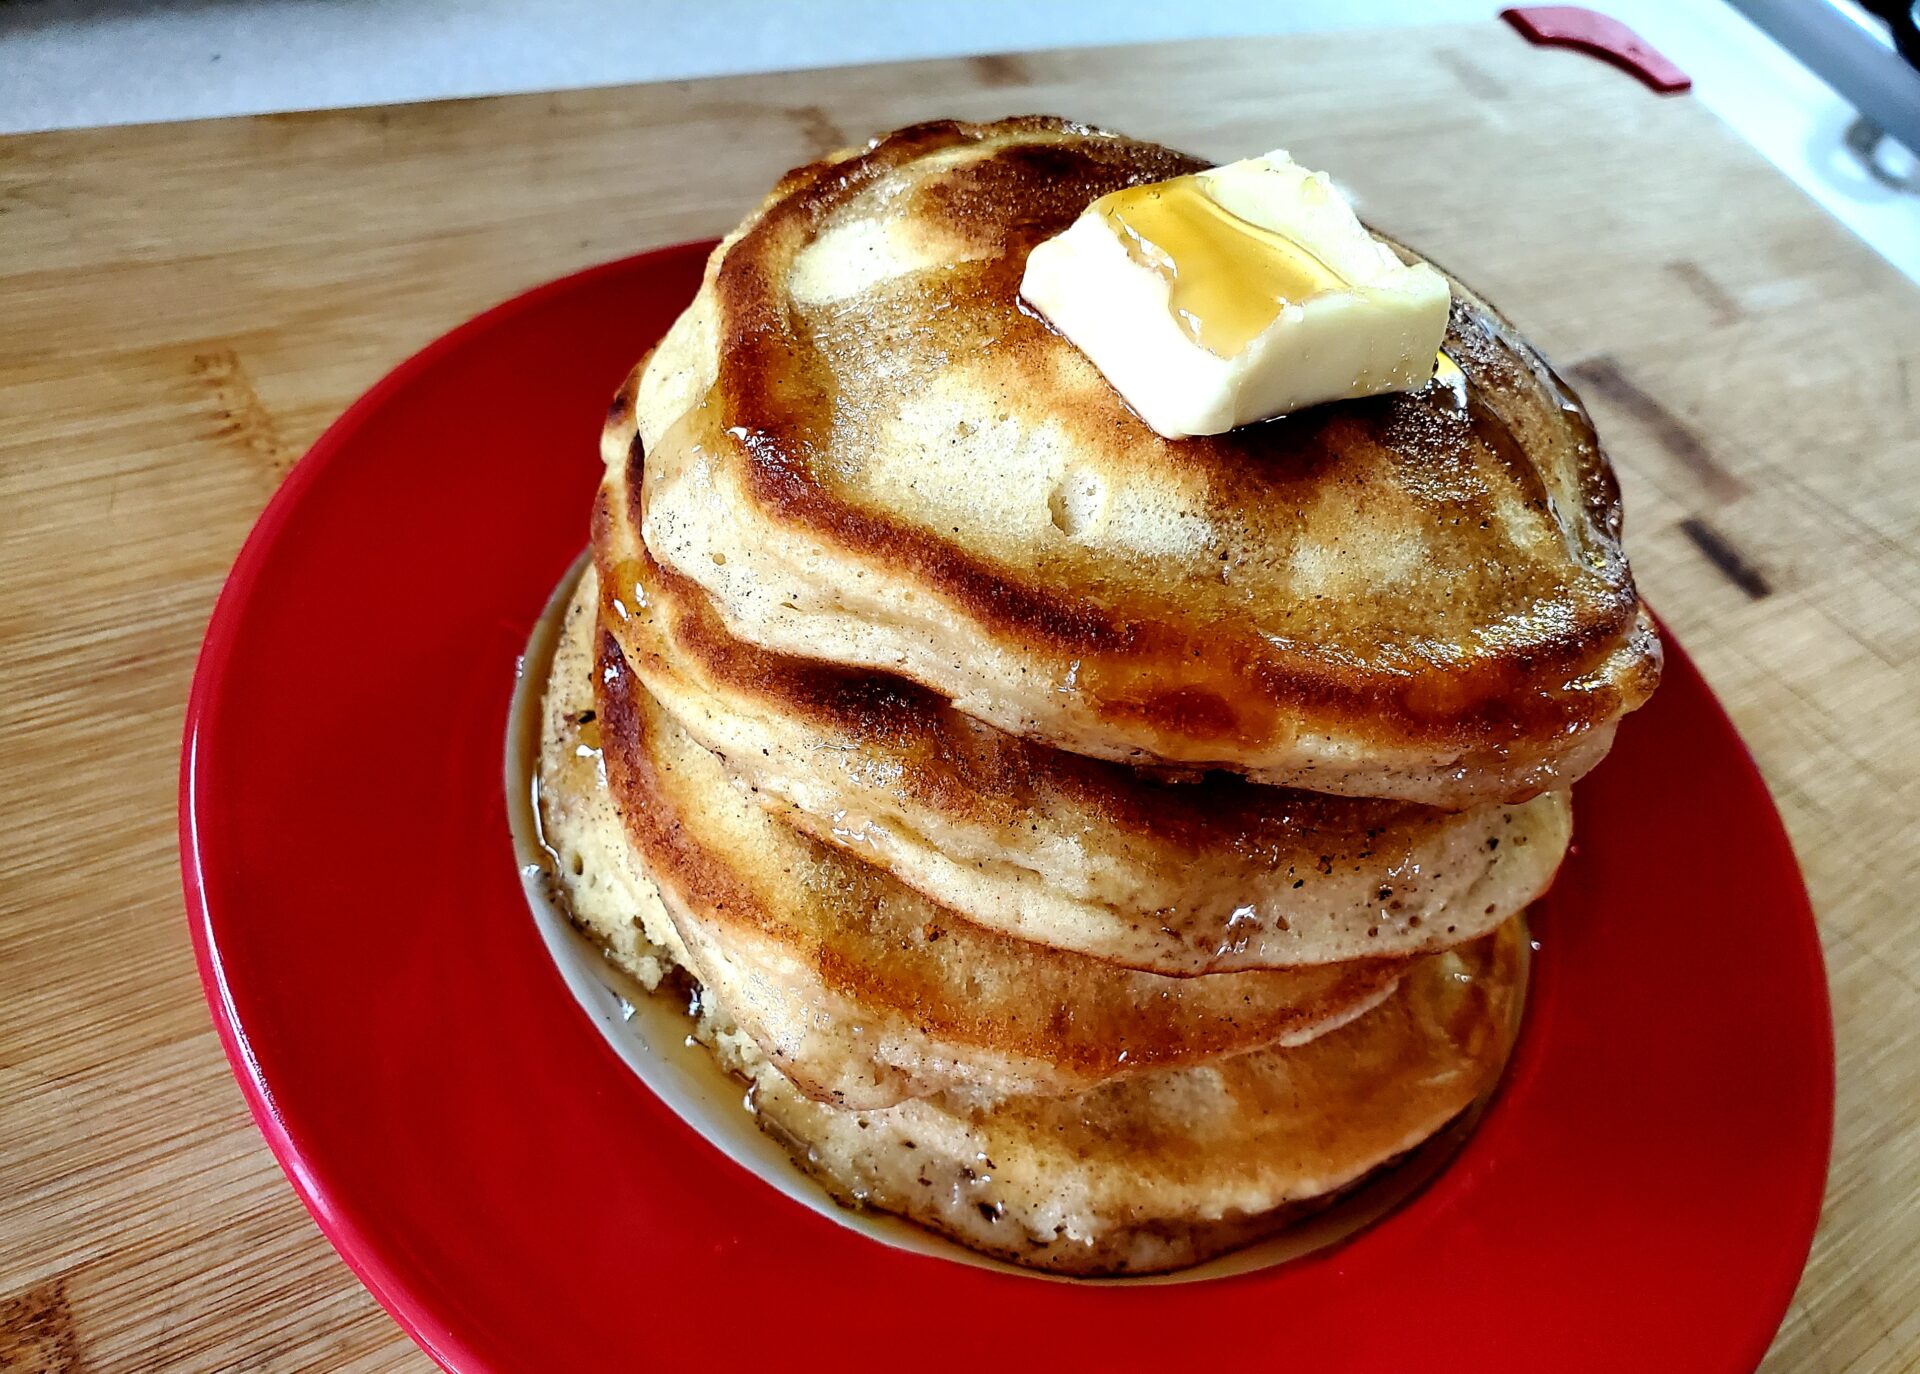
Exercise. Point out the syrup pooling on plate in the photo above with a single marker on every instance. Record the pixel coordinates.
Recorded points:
(1227, 278)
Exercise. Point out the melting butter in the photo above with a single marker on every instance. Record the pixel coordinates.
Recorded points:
(1237, 294)
(1227, 278)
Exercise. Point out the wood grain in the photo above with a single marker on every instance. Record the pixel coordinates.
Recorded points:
(183, 308)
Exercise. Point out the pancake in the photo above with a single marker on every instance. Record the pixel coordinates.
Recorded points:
(603, 887)
(1177, 877)
(857, 988)
(866, 452)
(1142, 1174)
(1171, 1168)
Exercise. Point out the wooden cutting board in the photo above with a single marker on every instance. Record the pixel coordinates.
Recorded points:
(183, 308)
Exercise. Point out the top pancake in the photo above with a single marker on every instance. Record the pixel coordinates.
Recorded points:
(865, 450)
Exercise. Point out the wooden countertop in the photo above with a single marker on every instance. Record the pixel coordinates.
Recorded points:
(183, 309)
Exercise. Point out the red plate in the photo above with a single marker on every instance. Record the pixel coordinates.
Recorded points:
(1642, 1192)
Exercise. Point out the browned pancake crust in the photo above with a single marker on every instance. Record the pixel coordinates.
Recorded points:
(876, 944)
(959, 766)
(1422, 1057)
(1189, 665)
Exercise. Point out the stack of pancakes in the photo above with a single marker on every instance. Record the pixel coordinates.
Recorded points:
(1095, 847)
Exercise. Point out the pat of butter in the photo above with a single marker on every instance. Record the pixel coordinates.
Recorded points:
(1236, 295)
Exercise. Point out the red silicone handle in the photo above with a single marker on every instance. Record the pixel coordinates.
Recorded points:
(1576, 26)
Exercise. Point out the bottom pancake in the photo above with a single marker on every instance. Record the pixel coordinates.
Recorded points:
(1171, 1168)
(1140, 1175)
